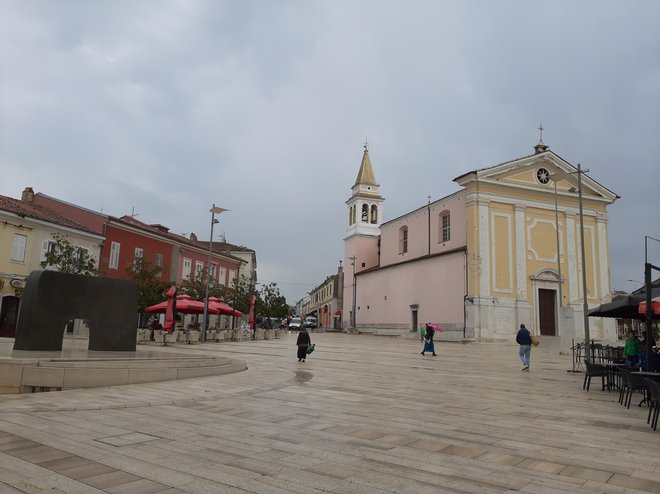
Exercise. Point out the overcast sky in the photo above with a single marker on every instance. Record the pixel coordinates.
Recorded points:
(166, 107)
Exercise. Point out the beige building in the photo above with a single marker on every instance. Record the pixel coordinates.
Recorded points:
(26, 235)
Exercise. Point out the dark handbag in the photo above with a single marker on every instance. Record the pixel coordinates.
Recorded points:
(310, 349)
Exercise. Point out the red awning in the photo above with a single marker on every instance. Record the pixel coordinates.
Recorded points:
(655, 306)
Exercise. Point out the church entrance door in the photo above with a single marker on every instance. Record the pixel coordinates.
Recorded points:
(547, 316)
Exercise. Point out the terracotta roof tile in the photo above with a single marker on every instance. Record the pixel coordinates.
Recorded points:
(27, 210)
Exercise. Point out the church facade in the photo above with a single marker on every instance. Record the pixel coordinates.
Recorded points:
(503, 250)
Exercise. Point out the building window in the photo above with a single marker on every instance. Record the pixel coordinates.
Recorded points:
(445, 227)
(47, 247)
(403, 240)
(365, 213)
(137, 260)
(187, 268)
(159, 264)
(114, 255)
(543, 176)
(212, 271)
(232, 277)
(18, 247)
(374, 214)
(199, 268)
(223, 275)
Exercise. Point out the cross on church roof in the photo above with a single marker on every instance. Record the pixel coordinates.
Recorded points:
(540, 127)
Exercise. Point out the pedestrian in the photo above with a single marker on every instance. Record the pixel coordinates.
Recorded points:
(303, 342)
(524, 339)
(631, 350)
(428, 341)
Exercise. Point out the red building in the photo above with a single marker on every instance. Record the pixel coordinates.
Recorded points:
(127, 239)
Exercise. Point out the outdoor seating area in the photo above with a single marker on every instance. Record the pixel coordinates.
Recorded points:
(164, 338)
(607, 364)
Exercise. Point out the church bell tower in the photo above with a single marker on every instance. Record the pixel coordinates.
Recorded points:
(361, 248)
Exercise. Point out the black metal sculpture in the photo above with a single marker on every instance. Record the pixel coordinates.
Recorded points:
(52, 298)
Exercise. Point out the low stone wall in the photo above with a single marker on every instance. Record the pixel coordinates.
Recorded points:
(34, 375)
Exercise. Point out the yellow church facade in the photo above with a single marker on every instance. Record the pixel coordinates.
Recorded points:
(524, 248)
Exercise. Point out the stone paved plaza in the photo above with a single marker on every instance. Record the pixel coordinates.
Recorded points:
(364, 414)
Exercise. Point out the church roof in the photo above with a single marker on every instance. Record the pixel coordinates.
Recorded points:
(366, 173)
(541, 150)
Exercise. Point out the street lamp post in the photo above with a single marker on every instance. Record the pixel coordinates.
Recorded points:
(585, 305)
(648, 267)
(214, 210)
(558, 249)
(354, 294)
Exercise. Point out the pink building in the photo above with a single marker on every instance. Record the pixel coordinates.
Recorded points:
(391, 281)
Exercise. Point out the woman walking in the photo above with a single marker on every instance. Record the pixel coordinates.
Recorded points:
(428, 341)
(303, 342)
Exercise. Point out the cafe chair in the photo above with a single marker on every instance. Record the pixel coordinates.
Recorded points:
(594, 370)
(654, 403)
(631, 383)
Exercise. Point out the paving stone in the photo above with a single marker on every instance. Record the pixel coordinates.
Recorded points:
(365, 418)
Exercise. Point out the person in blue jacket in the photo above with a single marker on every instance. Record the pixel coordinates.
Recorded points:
(524, 339)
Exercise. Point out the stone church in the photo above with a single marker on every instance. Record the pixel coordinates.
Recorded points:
(503, 250)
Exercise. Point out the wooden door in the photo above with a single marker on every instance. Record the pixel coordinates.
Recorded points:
(547, 317)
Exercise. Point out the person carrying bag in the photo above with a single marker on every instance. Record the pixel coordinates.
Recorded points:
(428, 341)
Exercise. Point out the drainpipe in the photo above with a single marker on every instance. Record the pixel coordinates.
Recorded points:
(428, 207)
(465, 297)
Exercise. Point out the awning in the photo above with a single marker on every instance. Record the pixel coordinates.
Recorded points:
(625, 308)
(655, 306)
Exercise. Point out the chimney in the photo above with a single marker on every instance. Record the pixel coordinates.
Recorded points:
(193, 237)
(27, 195)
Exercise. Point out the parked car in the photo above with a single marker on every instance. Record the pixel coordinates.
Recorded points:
(295, 323)
(310, 322)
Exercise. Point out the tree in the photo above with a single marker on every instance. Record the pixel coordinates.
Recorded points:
(69, 258)
(150, 290)
(270, 302)
(238, 295)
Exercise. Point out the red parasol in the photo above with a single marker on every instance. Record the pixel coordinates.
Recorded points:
(170, 309)
(434, 327)
(184, 304)
(223, 308)
(253, 300)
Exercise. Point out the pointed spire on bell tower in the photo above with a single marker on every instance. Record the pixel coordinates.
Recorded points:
(540, 146)
(365, 203)
(366, 173)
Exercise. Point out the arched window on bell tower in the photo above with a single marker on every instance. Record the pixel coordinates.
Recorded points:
(374, 214)
(365, 213)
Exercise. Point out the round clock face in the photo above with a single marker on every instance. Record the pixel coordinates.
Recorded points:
(543, 175)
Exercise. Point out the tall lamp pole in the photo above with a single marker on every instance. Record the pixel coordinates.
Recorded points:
(214, 210)
(585, 305)
(648, 267)
(354, 294)
(555, 178)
